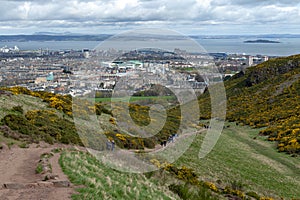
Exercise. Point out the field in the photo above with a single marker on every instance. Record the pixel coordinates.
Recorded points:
(252, 164)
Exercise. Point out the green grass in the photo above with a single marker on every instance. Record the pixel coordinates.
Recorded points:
(133, 99)
(253, 162)
(238, 160)
(102, 182)
(39, 169)
(26, 101)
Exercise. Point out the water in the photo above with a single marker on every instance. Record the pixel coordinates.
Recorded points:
(287, 46)
(51, 45)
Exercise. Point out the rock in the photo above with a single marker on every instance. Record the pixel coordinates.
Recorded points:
(14, 186)
(31, 185)
(45, 184)
(50, 177)
(59, 183)
(43, 160)
(46, 169)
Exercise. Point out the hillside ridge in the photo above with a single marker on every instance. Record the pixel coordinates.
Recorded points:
(266, 95)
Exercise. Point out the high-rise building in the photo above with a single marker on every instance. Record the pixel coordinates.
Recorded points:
(249, 61)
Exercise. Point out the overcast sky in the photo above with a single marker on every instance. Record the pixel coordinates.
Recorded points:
(187, 16)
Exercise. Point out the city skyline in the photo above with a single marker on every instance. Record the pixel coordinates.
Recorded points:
(215, 17)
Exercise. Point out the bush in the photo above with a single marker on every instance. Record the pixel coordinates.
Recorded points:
(18, 109)
(188, 192)
(182, 191)
(236, 185)
(23, 145)
(100, 108)
(149, 143)
(49, 139)
(43, 125)
(20, 124)
(254, 195)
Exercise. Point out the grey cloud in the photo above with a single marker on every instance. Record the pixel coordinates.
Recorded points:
(255, 3)
(72, 13)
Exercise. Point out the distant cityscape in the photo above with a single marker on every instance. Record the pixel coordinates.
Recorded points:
(79, 72)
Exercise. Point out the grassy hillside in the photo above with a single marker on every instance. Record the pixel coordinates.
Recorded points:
(250, 164)
(263, 104)
(27, 102)
(239, 167)
(29, 117)
(267, 95)
(46, 116)
(101, 182)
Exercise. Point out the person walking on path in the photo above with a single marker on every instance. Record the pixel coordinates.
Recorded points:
(112, 145)
(162, 143)
(165, 143)
(108, 145)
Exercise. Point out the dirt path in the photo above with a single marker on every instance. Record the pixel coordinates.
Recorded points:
(17, 166)
(159, 147)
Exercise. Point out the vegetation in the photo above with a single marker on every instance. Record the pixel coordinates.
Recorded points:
(155, 90)
(59, 102)
(140, 116)
(39, 168)
(102, 182)
(264, 99)
(47, 125)
(266, 95)
(239, 162)
(8, 141)
(200, 189)
(36, 125)
(224, 172)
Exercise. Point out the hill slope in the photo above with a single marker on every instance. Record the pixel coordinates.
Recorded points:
(249, 164)
(266, 95)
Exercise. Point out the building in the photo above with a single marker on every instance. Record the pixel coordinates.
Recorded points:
(249, 61)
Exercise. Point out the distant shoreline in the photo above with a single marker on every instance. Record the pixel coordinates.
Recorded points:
(260, 41)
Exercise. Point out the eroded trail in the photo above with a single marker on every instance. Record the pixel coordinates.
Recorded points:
(18, 179)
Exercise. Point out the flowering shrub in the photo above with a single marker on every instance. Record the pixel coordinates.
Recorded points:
(211, 186)
(266, 95)
(191, 178)
(266, 198)
(238, 193)
(43, 125)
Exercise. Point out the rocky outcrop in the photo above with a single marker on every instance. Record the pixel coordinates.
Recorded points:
(271, 69)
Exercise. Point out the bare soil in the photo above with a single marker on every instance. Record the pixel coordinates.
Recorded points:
(17, 167)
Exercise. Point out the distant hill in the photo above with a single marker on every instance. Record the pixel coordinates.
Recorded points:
(69, 36)
(266, 95)
(260, 41)
(52, 37)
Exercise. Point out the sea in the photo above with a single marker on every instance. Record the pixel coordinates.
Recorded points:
(286, 47)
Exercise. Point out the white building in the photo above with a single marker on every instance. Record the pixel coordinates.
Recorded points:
(249, 61)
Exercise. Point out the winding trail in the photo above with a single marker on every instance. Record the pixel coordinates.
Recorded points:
(17, 167)
(158, 147)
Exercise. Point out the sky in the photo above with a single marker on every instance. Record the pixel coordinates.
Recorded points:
(195, 17)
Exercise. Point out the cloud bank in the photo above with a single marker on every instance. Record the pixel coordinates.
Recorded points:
(189, 15)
